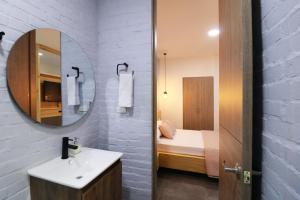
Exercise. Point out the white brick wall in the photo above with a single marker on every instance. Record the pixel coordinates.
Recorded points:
(281, 99)
(24, 144)
(125, 36)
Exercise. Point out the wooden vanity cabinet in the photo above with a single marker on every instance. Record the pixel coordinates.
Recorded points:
(107, 186)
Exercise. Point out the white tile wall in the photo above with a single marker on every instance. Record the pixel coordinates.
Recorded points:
(24, 144)
(281, 99)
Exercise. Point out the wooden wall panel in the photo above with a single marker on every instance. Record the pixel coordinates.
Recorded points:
(198, 103)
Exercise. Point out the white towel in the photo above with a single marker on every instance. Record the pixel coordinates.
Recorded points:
(73, 91)
(125, 90)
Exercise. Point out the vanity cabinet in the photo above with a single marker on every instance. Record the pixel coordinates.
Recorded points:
(107, 186)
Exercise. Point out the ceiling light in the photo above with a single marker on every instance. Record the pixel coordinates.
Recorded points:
(40, 54)
(213, 32)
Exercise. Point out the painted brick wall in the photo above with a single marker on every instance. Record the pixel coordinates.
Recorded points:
(281, 99)
(24, 144)
(125, 36)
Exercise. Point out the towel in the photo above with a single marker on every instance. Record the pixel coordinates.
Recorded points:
(73, 91)
(125, 90)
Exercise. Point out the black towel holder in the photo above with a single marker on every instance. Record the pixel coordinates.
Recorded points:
(126, 68)
(1, 35)
(77, 70)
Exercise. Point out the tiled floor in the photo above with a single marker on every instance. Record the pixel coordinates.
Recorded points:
(177, 185)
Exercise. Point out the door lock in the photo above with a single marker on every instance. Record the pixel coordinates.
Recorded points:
(236, 170)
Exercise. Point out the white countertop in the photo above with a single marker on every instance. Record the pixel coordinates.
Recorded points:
(76, 172)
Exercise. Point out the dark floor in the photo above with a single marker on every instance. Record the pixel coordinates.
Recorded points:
(178, 185)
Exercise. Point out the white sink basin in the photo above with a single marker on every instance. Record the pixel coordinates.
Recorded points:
(76, 172)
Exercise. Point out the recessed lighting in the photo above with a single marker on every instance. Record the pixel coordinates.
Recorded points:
(40, 54)
(213, 32)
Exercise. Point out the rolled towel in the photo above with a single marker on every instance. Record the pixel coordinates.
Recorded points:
(73, 91)
(125, 90)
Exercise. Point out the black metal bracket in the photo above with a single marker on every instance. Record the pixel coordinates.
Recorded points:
(123, 64)
(126, 68)
(77, 70)
(1, 35)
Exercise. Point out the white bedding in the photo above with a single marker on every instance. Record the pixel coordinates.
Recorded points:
(188, 142)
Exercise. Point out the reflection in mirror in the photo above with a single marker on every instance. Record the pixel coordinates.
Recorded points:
(50, 78)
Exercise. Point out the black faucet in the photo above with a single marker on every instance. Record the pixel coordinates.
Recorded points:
(66, 146)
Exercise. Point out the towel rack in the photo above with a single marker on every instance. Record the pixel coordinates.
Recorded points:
(77, 70)
(1, 35)
(126, 68)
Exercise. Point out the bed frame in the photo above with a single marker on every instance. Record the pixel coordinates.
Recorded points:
(181, 162)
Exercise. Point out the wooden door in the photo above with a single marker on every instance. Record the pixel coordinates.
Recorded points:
(235, 99)
(18, 73)
(34, 80)
(21, 74)
(198, 103)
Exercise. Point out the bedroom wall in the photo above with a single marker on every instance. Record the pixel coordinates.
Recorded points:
(172, 107)
(24, 144)
(281, 99)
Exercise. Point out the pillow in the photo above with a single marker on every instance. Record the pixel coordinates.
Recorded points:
(171, 126)
(166, 130)
(158, 133)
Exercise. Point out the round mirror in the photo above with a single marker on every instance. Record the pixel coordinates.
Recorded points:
(50, 77)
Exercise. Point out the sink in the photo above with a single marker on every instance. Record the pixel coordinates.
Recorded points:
(78, 171)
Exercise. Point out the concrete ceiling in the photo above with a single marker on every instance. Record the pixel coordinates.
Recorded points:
(182, 28)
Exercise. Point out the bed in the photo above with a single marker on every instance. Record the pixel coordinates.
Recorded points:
(189, 150)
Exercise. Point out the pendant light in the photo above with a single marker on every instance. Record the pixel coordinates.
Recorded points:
(165, 92)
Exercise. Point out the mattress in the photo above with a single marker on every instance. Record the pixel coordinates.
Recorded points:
(188, 142)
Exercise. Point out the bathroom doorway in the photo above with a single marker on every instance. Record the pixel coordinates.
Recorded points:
(202, 116)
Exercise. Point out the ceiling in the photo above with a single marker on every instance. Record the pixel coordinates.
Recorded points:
(182, 28)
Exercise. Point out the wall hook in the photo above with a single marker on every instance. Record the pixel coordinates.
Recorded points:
(1, 35)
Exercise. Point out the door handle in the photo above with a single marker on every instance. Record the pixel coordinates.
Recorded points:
(236, 170)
